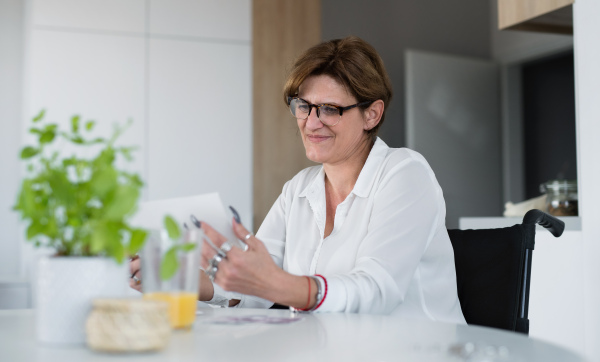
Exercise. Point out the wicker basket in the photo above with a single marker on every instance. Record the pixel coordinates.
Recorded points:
(128, 325)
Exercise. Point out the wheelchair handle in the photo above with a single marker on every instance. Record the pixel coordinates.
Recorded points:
(553, 224)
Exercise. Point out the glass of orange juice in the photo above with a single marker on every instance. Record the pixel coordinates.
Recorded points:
(180, 290)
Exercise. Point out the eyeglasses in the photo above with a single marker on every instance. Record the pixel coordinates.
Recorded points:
(328, 114)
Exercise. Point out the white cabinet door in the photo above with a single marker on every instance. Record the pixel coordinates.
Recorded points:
(200, 122)
(213, 20)
(104, 15)
(453, 119)
(99, 77)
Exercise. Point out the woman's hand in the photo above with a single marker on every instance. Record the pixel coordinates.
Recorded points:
(250, 272)
(134, 269)
(206, 289)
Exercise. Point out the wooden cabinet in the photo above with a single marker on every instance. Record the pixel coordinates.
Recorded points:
(552, 16)
(282, 30)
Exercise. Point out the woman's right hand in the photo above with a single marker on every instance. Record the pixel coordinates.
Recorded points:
(135, 270)
(253, 271)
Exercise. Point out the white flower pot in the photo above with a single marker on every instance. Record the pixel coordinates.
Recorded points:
(65, 289)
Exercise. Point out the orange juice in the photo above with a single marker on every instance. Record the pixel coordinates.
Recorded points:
(182, 306)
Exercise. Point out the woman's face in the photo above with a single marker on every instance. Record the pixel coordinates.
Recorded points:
(331, 144)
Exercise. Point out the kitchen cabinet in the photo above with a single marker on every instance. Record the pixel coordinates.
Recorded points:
(551, 16)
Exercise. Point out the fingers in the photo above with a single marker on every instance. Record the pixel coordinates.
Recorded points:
(242, 233)
(212, 242)
(214, 236)
(134, 285)
(134, 268)
(205, 256)
(227, 269)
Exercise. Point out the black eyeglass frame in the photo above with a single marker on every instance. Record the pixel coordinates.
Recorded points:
(317, 106)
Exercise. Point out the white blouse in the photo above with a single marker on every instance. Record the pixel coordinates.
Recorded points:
(389, 251)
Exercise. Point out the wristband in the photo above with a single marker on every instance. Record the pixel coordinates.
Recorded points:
(321, 291)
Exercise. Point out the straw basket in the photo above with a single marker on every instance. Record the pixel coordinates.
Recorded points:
(128, 325)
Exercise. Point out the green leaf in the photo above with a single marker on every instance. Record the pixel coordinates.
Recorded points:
(172, 228)
(126, 152)
(121, 202)
(74, 221)
(97, 140)
(98, 240)
(47, 136)
(75, 123)
(71, 161)
(138, 236)
(117, 252)
(105, 236)
(62, 188)
(105, 158)
(169, 264)
(29, 152)
(89, 125)
(187, 247)
(39, 116)
(35, 131)
(26, 200)
(103, 181)
(133, 179)
(34, 229)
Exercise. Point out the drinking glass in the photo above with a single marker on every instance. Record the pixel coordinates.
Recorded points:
(181, 290)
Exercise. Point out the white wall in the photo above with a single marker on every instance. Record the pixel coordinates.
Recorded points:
(11, 60)
(587, 92)
(181, 70)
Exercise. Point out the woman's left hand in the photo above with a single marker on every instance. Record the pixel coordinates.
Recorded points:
(250, 272)
(135, 281)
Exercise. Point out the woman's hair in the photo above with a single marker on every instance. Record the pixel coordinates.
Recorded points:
(353, 63)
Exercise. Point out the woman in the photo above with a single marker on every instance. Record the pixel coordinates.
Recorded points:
(364, 231)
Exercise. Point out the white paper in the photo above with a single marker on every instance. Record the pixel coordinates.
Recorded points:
(206, 208)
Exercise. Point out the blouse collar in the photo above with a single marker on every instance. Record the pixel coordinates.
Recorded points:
(365, 180)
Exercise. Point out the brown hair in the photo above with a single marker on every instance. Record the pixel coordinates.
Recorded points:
(353, 63)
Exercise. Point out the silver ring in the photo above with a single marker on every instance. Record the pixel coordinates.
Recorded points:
(226, 247)
(136, 280)
(215, 260)
(212, 245)
(213, 266)
(248, 236)
(211, 272)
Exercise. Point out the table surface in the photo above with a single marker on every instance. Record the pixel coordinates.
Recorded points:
(315, 337)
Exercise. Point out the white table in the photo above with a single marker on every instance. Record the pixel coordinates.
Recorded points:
(318, 337)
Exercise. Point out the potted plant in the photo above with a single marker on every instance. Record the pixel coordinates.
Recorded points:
(79, 207)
